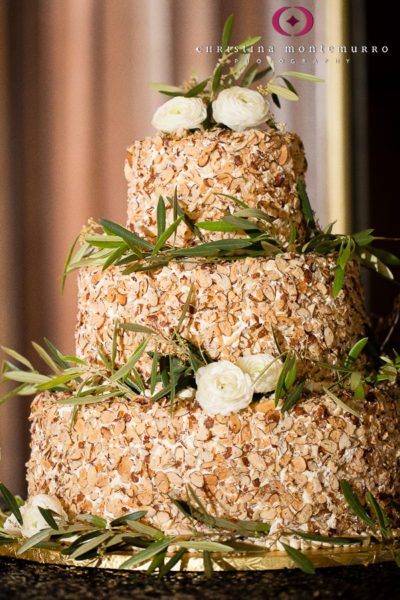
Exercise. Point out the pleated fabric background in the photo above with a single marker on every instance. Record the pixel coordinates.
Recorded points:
(74, 93)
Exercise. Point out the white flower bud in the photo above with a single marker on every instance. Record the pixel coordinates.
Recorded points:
(179, 113)
(240, 108)
(255, 364)
(186, 394)
(223, 388)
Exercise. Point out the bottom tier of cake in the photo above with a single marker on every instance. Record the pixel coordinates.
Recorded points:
(260, 464)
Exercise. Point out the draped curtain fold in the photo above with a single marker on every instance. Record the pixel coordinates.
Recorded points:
(74, 93)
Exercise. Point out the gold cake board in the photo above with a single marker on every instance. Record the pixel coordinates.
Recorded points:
(250, 561)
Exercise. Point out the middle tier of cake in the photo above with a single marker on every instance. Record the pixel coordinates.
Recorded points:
(236, 308)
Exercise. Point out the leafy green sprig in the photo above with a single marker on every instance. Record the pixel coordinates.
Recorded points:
(195, 510)
(94, 538)
(291, 387)
(85, 383)
(359, 245)
(98, 538)
(234, 68)
(389, 370)
(373, 516)
(118, 246)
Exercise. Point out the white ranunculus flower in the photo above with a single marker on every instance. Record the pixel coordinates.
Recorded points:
(32, 520)
(179, 113)
(223, 388)
(240, 108)
(31, 516)
(255, 364)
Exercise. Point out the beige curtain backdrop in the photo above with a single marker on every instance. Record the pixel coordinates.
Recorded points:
(74, 93)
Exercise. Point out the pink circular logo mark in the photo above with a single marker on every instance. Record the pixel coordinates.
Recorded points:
(285, 20)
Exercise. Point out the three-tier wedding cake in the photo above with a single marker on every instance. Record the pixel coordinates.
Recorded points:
(221, 337)
(127, 454)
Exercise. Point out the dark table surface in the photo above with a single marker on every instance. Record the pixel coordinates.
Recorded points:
(30, 581)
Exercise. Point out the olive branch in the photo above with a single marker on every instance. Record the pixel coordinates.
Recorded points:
(110, 244)
(94, 538)
(85, 383)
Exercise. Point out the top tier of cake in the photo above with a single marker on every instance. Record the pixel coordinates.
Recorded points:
(259, 168)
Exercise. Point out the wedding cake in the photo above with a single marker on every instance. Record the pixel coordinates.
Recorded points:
(123, 455)
(220, 339)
